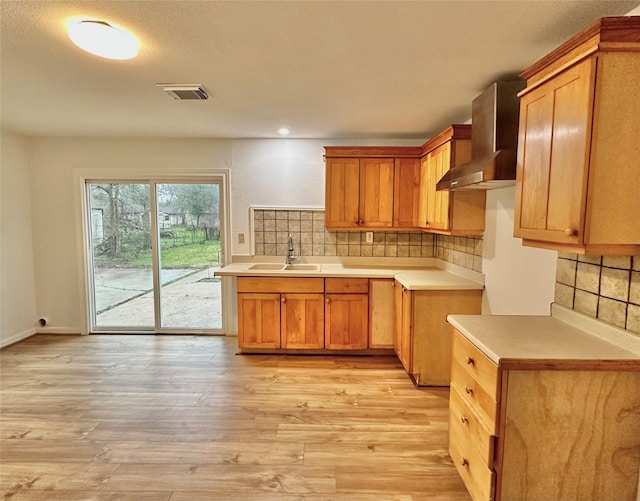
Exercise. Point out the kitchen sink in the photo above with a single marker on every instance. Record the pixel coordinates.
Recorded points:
(302, 267)
(267, 266)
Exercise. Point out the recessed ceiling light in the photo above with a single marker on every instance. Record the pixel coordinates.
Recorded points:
(103, 39)
(283, 131)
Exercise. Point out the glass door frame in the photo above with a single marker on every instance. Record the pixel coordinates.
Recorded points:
(83, 177)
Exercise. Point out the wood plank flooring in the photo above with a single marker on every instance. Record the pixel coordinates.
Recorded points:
(183, 418)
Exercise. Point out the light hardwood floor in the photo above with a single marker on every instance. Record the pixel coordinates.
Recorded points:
(182, 418)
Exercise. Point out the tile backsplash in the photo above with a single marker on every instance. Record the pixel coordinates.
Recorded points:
(272, 227)
(603, 287)
(463, 251)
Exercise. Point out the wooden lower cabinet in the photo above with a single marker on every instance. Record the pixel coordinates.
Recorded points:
(543, 430)
(381, 292)
(302, 317)
(422, 336)
(278, 313)
(346, 314)
(302, 314)
(258, 320)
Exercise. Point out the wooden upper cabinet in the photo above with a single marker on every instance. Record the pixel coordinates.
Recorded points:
(342, 196)
(371, 187)
(445, 212)
(376, 192)
(436, 165)
(406, 194)
(578, 171)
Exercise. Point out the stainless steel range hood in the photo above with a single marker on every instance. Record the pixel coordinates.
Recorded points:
(494, 141)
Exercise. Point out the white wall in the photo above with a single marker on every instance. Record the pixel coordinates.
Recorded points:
(518, 280)
(17, 296)
(278, 172)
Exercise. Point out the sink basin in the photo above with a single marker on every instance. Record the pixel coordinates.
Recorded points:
(267, 266)
(302, 267)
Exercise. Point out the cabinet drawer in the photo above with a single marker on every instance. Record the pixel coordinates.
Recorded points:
(347, 285)
(476, 364)
(273, 284)
(478, 479)
(475, 396)
(466, 427)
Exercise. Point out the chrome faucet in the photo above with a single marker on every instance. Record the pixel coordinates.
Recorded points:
(290, 254)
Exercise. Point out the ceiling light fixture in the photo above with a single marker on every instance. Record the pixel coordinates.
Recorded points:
(103, 39)
(283, 131)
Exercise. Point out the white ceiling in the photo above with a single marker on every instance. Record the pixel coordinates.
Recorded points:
(327, 69)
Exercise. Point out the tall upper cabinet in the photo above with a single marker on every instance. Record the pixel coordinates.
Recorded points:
(444, 212)
(578, 169)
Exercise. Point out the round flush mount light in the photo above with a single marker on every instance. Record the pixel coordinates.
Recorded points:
(284, 131)
(103, 39)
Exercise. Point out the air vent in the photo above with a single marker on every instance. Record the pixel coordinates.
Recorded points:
(185, 91)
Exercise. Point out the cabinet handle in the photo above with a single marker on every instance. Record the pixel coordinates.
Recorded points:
(468, 391)
(463, 420)
(464, 462)
(284, 300)
(328, 301)
(570, 232)
(471, 361)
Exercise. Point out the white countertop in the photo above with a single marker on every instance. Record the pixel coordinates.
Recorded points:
(510, 338)
(413, 278)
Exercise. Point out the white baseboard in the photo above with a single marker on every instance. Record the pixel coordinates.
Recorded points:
(58, 330)
(17, 337)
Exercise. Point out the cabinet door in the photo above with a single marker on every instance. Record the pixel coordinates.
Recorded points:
(302, 320)
(553, 151)
(406, 344)
(342, 196)
(426, 192)
(381, 317)
(438, 201)
(258, 320)
(406, 196)
(376, 192)
(346, 321)
(402, 325)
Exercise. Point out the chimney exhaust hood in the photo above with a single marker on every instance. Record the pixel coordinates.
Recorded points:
(494, 141)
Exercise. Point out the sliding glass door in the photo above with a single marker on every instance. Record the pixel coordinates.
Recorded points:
(189, 243)
(154, 248)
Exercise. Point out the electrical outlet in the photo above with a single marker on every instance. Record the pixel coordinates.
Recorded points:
(240, 238)
(368, 237)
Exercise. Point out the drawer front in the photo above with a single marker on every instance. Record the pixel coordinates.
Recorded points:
(347, 285)
(479, 480)
(467, 428)
(476, 363)
(475, 396)
(280, 284)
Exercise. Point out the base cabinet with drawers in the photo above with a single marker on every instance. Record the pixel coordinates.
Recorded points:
(542, 430)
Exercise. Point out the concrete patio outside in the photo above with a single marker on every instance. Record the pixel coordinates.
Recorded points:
(189, 300)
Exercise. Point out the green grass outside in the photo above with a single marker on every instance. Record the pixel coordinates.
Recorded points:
(184, 249)
(197, 255)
